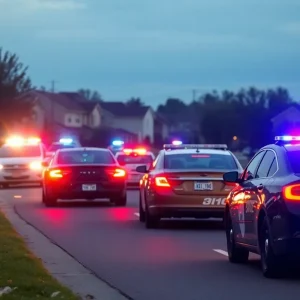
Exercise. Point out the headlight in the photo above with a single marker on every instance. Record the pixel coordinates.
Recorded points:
(36, 165)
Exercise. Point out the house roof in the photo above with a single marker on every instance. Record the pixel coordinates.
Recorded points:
(120, 109)
(292, 110)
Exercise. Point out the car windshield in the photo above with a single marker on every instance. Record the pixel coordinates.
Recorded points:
(85, 157)
(293, 157)
(22, 151)
(134, 159)
(200, 161)
(56, 147)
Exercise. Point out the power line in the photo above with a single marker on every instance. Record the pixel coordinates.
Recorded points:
(53, 82)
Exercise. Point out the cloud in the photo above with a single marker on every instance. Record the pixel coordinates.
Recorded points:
(147, 40)
(291, 28)
(40, 5)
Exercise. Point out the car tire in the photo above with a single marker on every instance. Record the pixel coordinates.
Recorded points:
(151, 222)
(272, 265)
(121, 200)
(142, 216)
(49, 201)
(236, 254)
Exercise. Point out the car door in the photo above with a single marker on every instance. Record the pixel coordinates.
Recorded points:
(241, 196)
(257, 194)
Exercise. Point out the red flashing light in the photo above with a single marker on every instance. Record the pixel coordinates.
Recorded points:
(292, 192)
(138, 151)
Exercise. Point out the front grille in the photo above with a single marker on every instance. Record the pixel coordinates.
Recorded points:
(16, 167)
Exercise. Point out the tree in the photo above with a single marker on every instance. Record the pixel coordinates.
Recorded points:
(90, 95)
(14, 81)
(135, 102)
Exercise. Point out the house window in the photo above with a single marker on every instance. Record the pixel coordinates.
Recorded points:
(77, 120)
(70, 120)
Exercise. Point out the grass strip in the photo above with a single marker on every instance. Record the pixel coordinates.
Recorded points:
(21, 269)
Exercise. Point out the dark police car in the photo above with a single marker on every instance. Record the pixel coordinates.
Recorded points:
(262, 213)
(84, 173)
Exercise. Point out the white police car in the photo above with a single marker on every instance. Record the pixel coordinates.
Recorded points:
(21, 161)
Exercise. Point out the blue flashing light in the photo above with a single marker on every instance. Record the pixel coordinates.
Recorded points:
(118, 143)
(66, 141)
(287, 138)
(177, 143)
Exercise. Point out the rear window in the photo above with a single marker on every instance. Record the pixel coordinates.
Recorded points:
(200, 161)
(138, 159)
(294, 160)
(85, 157)
(54, 148)
(22, 151)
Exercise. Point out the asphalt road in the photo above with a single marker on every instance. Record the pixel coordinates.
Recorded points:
(183, 260)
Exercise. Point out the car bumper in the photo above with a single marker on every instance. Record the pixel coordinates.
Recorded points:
(75, 191)
(20, 176)
(170, 205)
(134, 179)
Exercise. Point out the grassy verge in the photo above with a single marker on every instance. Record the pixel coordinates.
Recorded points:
(20, 269)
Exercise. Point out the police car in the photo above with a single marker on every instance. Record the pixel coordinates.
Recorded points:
(131, 159)
(185, 181)
(116, 146)
(63, 143)
(21, 161)
(263, 209)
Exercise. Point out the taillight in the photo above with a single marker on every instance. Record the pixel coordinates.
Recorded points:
(55, 174)
(292, 192)
(162, 182)
(119, 173)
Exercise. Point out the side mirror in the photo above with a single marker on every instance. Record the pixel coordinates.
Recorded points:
(142, 169)
(231, 178)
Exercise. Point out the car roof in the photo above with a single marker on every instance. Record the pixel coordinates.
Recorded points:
(200, 151)
(83, 149)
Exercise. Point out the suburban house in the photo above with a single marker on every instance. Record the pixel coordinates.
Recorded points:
(56, 114)
(135, 119)
(286, 121)
(161, 129)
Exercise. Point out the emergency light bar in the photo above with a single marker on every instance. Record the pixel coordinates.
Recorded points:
(16, 141)
(117, 143)
(66, 141)
(287, 138)
(195, 146)
(139, 151)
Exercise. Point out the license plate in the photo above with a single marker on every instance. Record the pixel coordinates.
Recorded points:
(203, 186)
(89, 187)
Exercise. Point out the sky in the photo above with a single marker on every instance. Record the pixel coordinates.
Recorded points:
(155, 49)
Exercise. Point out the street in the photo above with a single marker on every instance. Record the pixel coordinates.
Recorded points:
(181, 260)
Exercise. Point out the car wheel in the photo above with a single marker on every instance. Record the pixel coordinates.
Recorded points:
(121, 200)
(151, 221)
(49, 201)
(235, 254)
(142, 216)
(272, 265)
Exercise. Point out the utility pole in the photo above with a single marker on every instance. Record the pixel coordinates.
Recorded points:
(53, 86)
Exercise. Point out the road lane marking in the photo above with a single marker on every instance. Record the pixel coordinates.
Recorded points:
(137, 214)
(221, 252)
